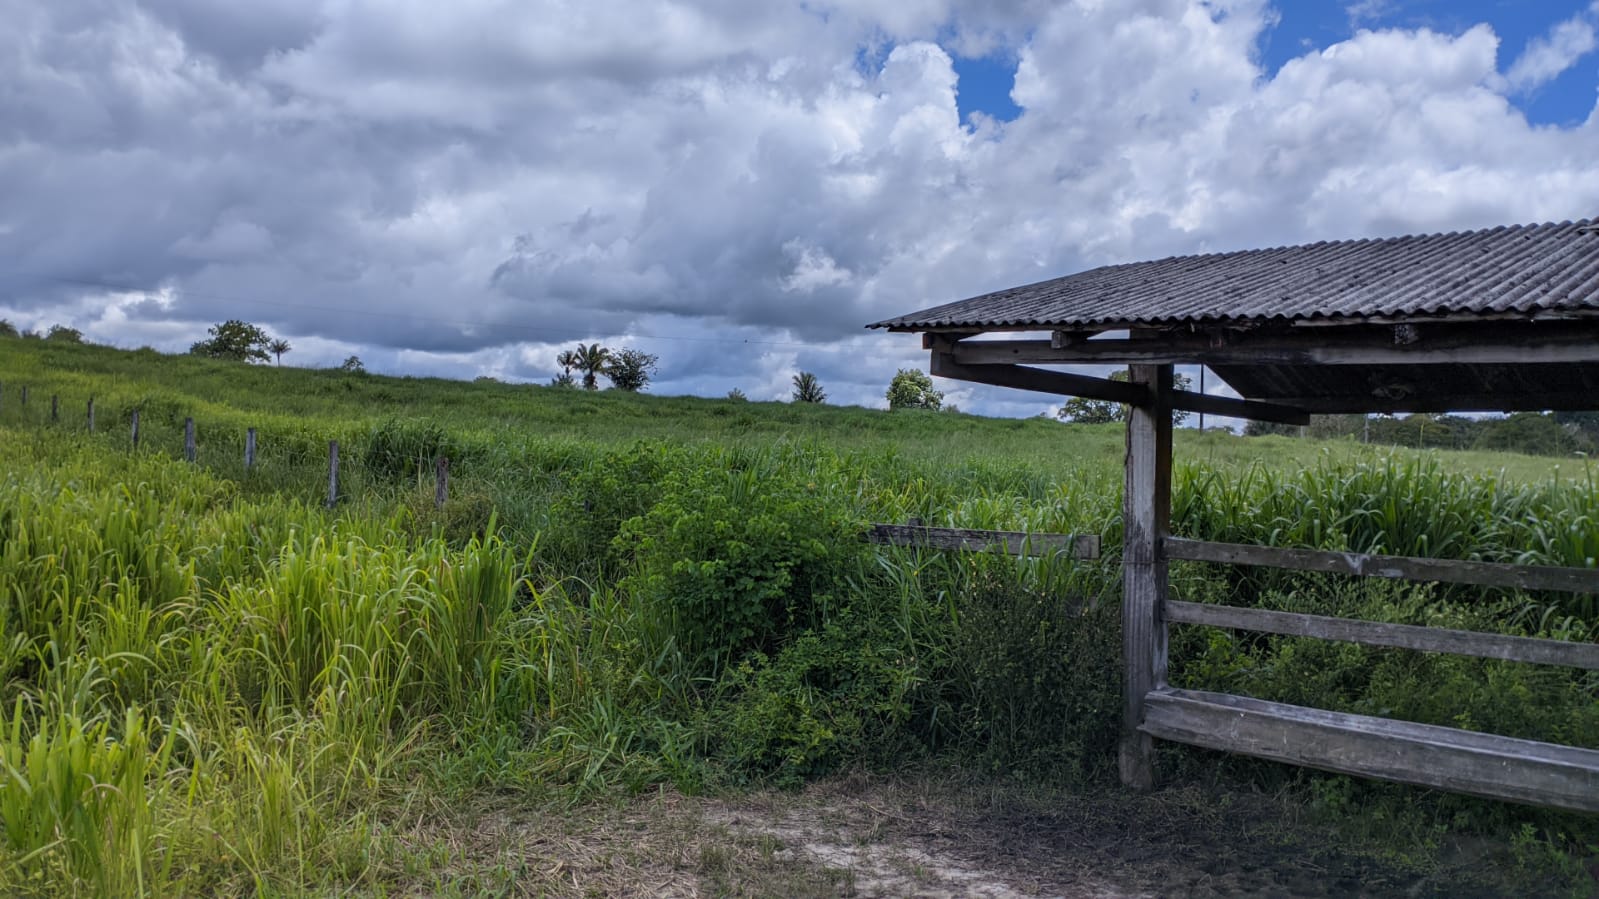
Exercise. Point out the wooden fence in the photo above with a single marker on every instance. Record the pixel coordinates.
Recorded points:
(1445, 758)
(137, 431)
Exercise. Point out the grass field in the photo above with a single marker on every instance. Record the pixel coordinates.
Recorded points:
(212, 684)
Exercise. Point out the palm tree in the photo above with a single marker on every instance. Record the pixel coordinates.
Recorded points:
(278, 348)
(807, 389)
(567, 360)
(592, 360)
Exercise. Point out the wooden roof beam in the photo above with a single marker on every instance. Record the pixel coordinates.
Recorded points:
(1059, 383)
(1502, 343)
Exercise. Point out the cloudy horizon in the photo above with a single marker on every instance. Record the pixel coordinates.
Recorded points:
(467, 189)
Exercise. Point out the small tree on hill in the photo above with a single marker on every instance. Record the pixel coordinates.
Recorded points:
(353, 365)
(630, 370)
(737, 395)
(7, 329)
(564, 379)
(278, 348)
(591, 361)
(64, 334)
(807, 389)
(236, 340)
(913, 389)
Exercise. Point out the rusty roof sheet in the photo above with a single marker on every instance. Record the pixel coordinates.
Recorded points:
(1499, 272)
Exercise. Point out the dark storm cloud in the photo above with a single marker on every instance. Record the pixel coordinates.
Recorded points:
(736, 187)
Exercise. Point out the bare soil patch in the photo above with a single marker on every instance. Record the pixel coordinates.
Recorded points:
(926, 836)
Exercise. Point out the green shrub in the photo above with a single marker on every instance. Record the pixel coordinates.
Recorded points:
(738, 557)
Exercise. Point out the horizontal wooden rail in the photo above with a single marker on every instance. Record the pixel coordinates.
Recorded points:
(1450, 571)
(1078, 546)
(1404, 636)
(1441, 757)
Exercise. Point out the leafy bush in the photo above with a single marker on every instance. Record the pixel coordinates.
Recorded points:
(737, 557)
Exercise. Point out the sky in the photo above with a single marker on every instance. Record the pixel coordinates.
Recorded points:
(467, 188)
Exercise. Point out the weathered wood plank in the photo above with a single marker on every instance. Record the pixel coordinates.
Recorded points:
(1078, 546)
(1460, 761)
(189, 451)
(1403, 636)
(1528, 344)
(1057, 383)
(1450, 571)
(1146, 513)
(1253, 410)
(333, 473)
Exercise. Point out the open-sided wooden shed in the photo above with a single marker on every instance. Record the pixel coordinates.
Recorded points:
(1505, 319)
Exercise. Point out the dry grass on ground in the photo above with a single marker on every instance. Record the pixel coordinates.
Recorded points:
(929, 835)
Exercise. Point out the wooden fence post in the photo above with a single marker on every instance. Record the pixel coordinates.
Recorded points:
(249, 448)
(91, 415)
(189, 452)
(1146, 518)
(135, 429)
(333, 473)
(55, 408)
(441, 482)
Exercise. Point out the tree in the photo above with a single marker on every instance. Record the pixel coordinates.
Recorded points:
(737, 395)
(236, 340)
(353, 365)
(630, 370)
(278, 347)
(567, 360)
(913, 389)
(564, 379)
(591, 360)
(7, 329)
(1084, 411)
(64, 334)
(807, 389)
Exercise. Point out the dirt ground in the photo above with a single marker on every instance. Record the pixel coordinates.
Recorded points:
(926, 836)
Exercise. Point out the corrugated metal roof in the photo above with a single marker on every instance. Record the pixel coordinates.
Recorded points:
(1499, 271)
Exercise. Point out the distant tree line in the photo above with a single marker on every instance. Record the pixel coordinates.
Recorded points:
(57, 333)
(1538, 433)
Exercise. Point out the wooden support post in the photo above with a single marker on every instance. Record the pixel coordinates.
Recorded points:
(91, 415)
(333, 473)
(441, 482)
(55, 408)
(189, 451)
(249, 448)
(135, 429)
(1146, 516)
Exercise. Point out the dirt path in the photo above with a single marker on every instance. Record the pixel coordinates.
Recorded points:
(937, 837)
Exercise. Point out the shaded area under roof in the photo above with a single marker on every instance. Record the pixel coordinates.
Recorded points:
(1525, 271)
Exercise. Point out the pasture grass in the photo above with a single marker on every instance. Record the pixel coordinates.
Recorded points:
(210, 683)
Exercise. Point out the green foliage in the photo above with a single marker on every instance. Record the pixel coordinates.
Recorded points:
(277, 347)
(235, 340)
(807, 389)
(837, 695)
(738, 556)
(591, 360)
(353, 365)
(64, 334)
(913, 389)
(630, 370)
(737, 395)
(1039, 674)
(7, 329)
(404, 449)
